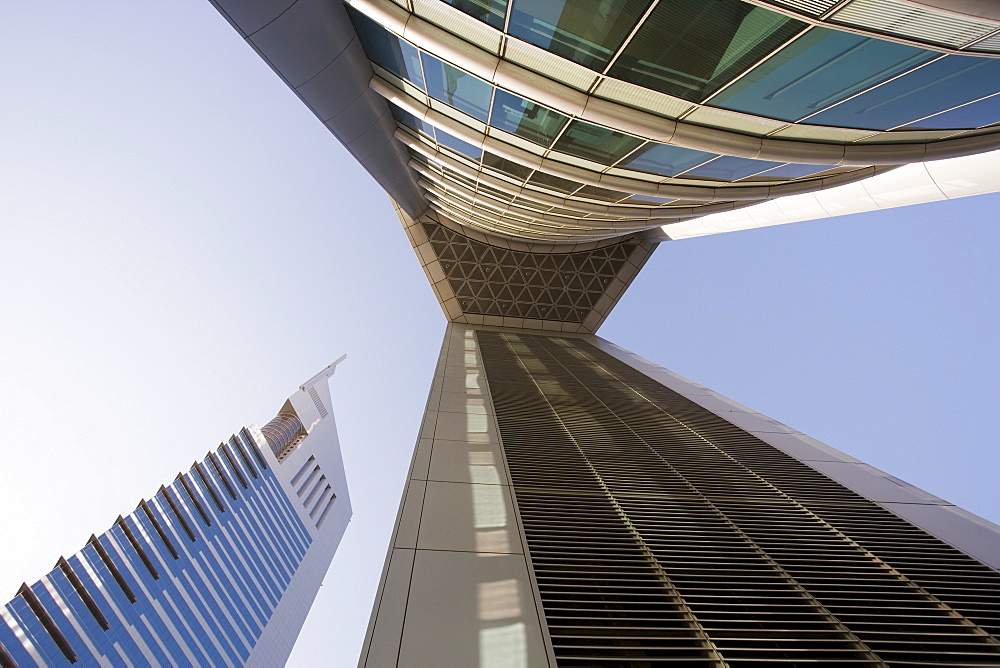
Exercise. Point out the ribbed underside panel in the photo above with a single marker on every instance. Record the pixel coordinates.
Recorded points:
(660, 533)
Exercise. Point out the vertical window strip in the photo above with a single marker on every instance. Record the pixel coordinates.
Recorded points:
(224, 449)
(253, 561)
(286, 520)
(82, 592)
(197, 468)
(182, 479)
(237, 444)
(292, 521)
(134, 542)
(222, 475)
(252, 444)
(57, 596)
(177, 512)
(6, 660)
(158, 528)
(275, 550)
(36, 607)
(110, 565)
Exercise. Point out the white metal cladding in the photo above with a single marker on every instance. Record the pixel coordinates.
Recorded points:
(811, 7)
(991, 43)
(910, 184)
(908, 20)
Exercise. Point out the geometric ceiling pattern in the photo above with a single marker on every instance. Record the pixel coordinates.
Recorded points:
(558, 288)
(542, 286)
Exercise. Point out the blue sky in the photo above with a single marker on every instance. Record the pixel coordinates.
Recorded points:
(182, 244)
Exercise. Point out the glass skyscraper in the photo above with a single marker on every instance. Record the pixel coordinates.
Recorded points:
(569, 503)
(218, 568)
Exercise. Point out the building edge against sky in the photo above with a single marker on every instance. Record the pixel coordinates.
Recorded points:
(218, 567)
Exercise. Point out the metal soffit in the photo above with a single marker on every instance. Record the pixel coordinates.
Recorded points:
(531, 286)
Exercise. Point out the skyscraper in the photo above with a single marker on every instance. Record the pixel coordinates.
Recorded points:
(567, 502)
(219, 567)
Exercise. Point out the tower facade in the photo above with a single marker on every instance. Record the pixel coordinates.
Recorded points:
(572, 504)
(219, 567)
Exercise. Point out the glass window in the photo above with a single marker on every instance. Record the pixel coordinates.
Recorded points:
(457, 88)
(818, 69)
(667, 160)
(709, 44)
(592, 142)
(551, 182)
(600, 194)
(526, 119)
(650, 198)
(387, 50)
(939, 85)
(588, 32)
(411, 121)
(795, 171)
(454, 143)
(731, 168)
(512, 169)
(490, 12)
(974, 115)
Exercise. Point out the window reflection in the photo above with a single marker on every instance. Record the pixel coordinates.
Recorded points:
(488, 509)
(491, 12)
(731, 168)
(456, 144)
(795, 171)
(385, 49)
(503, 646)
(457, 88)
(667, 160)
(973, 115)
(525, 118)
(411, 121)
(592, 142)
(584, 31)
(498, 600)
(709, 44)
(947, 82)
(818, 69)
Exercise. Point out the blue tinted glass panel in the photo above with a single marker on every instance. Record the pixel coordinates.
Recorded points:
(490, 12)
(731, 168)
(584, 31)
(690, 48)
(650, 198)
(525, 118)
(459, 89)
(667, 160)
(463, 147)
(794, 171)
(387, 50)
(818, 69)
(939, 85)
(593, 142)
(974, 115)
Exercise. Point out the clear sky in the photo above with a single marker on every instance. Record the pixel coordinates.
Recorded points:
(182, 244)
